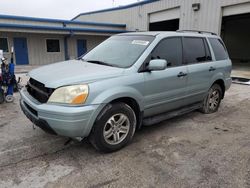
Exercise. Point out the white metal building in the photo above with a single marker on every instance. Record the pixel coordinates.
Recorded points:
(228, 18)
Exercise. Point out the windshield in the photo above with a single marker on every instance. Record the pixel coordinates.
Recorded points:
(119, 51)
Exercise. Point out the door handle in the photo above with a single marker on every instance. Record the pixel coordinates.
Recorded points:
(212, 69)
(182, 74)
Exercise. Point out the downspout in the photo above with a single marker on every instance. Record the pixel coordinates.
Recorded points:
(66, 51)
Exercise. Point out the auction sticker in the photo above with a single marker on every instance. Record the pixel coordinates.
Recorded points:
(140, 42)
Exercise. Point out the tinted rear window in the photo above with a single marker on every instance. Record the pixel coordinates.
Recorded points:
(194, 50)
(219, 49)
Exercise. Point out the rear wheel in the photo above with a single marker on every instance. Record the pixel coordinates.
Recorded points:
(212, 101)
(114, 127)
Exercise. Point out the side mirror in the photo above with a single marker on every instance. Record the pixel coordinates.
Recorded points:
(157, 64)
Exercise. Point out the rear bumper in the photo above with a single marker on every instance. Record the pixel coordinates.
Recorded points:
(61, 120)
(228, 83)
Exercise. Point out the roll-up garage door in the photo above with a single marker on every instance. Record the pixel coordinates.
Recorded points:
(166, 20)
(235, 31)
(169, 14)
(236, 9)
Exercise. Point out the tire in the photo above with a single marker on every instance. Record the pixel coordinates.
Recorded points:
(9, 98)
(114, 128)
(212, 101)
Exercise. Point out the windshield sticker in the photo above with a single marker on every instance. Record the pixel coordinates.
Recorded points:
(140, 42)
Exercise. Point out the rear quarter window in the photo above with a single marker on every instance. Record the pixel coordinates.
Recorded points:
(219, 49)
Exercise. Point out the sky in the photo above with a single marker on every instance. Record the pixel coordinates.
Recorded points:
(60, 9)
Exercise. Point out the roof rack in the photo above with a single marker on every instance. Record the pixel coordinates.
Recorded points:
(197, 31)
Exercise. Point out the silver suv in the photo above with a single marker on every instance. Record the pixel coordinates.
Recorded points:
(129, 80)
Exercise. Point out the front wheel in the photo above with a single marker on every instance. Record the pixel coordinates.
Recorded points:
(212, 101)
(114, 127)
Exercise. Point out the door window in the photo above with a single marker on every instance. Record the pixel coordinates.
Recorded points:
(194, 50)
(169, 49)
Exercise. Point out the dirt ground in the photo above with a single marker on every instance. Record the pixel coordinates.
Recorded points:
(194, 150)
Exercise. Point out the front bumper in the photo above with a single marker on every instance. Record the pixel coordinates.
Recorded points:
(61, 120)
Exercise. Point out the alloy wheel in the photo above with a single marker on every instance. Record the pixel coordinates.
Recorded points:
(116, 129)
(214, 99)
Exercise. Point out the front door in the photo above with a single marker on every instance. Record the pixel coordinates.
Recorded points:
(21, 51)
(165, 89)
(81, 47)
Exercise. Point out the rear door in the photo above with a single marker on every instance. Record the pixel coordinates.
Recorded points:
(165, 89)
(221, 63)
(198, 58)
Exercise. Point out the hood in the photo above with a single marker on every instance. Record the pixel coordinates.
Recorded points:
(73, 72)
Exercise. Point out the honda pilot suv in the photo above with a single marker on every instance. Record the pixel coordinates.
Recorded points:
(129, 80)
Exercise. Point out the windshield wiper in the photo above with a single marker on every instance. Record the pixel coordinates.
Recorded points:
(98, 62)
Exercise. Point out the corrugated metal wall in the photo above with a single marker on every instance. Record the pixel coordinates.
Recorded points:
(207, 18)
(37, 51)
(135, 17)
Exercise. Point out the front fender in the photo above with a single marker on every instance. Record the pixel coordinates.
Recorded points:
(119, 92)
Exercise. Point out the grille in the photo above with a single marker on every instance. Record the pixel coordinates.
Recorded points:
(39, 91)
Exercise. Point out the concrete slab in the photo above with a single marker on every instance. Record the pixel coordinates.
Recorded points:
(241, 70)
(18, 139)
(241, 73)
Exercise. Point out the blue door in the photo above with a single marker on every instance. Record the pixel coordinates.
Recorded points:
(21, 51)
(81, 47)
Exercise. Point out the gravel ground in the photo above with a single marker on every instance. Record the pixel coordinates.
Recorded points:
(193, 150)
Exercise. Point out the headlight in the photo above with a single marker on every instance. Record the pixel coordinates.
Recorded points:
(76, 94)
